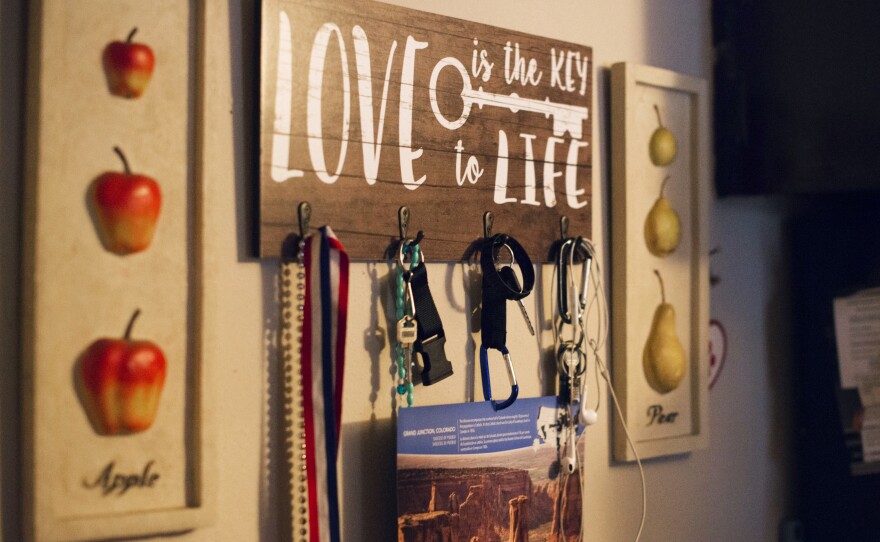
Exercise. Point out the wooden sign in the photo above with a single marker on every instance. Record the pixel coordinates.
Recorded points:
(367, 107)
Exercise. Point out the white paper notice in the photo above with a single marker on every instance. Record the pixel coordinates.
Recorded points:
(857, 328)
(871, 435)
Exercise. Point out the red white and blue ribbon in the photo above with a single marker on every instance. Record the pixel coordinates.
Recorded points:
(323, 363)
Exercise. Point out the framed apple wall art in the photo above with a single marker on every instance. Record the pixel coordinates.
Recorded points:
(114, 382)
(660, 239)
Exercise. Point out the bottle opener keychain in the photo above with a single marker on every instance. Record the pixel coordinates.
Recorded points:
(430, 339)
(499, 286)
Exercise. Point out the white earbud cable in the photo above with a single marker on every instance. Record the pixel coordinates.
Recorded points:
(600, 302)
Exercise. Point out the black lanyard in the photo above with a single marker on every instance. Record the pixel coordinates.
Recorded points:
(500, 286)
(431, 338)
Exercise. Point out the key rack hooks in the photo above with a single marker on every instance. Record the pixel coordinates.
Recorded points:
(488, 224)
(403, 217)
(403, 221)
(304, 216)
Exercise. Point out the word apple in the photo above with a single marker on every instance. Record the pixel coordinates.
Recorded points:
(127, 206)
(128, 67)
(120, 383)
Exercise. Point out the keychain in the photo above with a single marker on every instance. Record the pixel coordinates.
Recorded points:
(499, 286)
(571, 360)
(427, 337)
(406, 321)
(431, 341)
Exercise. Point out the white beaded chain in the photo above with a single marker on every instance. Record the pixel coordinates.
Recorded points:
(293, 300)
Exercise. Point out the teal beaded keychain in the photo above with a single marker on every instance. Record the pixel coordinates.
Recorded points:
(406, 323)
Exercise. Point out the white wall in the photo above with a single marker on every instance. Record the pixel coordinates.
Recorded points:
(735, 490)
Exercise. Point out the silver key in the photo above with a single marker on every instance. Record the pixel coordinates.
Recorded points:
(407, 331)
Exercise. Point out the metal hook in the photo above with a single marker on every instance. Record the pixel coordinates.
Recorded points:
(304, 212)
(487, 384)
(403, 221)
(488, 223)
(563, 226)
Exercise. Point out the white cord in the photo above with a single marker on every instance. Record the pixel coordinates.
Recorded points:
(600, 302)
(631, 447)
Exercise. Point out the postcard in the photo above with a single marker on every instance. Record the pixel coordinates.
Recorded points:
(466, 473)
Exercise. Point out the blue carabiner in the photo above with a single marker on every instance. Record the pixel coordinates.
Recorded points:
(487, 384)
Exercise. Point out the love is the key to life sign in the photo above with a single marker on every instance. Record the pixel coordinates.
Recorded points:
(366, 107)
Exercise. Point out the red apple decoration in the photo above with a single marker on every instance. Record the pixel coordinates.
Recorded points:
(127, 207)
(128, 67)
(121, 381)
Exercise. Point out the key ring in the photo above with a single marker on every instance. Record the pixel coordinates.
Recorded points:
(491, 274)
(487, 384)
(416, 254)
(417, 257)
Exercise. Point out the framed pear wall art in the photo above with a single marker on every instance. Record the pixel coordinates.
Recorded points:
(660, 236)
(114, 381)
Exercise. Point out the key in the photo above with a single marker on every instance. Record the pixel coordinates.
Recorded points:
(566, 118)
(509, 277)
(407, 331)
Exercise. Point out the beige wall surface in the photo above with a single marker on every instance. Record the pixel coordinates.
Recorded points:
(735, 490)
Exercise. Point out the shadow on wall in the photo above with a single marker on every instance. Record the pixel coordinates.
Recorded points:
(245, 53)
(12, 81)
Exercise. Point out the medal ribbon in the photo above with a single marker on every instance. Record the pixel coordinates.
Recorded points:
(323, 363)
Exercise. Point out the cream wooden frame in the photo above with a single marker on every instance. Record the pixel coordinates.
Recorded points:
(634, 297)
(47, 514)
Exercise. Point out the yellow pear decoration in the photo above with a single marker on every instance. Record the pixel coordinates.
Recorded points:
(664, 360)
(662, 226)
(662, 148)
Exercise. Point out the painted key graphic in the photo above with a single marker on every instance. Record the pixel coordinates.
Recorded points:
(566, 118)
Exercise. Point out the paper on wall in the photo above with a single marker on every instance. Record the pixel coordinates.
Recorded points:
(871, 434)
(857, 329)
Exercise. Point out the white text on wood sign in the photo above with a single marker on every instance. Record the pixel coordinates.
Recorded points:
(366, 107)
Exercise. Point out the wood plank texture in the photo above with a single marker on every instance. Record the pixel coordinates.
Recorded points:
(414, 93)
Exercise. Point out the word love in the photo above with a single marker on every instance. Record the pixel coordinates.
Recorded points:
(109, 481)
(569, 73)
(656, 414)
